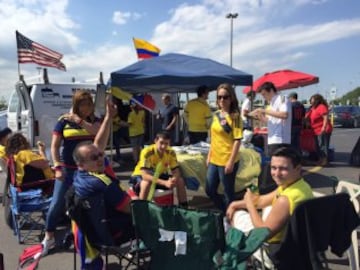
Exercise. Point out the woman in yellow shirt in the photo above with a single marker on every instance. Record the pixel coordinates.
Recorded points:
(225, 138)
(29, 166)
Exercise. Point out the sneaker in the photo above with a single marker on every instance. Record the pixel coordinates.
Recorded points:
(48, 244)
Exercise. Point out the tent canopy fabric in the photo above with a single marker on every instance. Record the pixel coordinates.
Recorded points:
(176, 73)
(284, 79)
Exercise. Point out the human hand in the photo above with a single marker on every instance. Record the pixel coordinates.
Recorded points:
(111, 108)
(41, 146)
(59, 175)
(170, 183)
(229, 167)
(72, 117)
(250, 198)
(230, 211)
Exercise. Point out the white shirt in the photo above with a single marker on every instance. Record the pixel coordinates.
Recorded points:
(245, 106)
(279, 130)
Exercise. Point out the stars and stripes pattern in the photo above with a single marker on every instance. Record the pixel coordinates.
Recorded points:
(33, 52)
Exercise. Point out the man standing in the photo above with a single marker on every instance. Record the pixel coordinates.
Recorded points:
(198, 116)
(298, 114)
(277, 117)
(169, 117)
(246, 108)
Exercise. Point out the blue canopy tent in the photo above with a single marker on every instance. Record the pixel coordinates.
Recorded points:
(176, 73)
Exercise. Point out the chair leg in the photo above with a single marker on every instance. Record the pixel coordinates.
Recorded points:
(106, 258)
(2, 267)
(75, 254)
(353, 252)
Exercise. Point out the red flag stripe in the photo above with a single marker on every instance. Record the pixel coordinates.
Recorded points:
(33, 52)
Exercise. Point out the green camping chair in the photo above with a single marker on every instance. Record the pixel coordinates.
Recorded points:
(179, 238)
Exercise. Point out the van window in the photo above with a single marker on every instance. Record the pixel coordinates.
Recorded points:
(14, 101)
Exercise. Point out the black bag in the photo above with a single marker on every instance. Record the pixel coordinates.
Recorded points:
(90, 216)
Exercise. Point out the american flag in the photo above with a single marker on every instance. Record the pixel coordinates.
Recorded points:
(33, 52)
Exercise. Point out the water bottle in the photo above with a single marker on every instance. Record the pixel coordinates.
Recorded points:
(254, 188)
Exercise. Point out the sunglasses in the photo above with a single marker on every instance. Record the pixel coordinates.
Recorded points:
(226, 97)
(95, 157)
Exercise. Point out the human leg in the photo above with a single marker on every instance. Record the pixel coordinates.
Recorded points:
(116, 143)
(212, 184)
(181, 192)
(295, 138)
(196, 137)
(56, 207)
(137, 143)
(144, 189)
(228, 181)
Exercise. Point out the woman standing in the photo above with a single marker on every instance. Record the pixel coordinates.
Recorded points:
(320, 124)
(72, 128)
(223, 157)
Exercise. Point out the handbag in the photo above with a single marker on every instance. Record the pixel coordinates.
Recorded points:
(307, 140)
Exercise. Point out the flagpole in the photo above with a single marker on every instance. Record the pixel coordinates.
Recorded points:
(17, 52)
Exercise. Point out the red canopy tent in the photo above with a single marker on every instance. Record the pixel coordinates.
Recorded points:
(284, 79)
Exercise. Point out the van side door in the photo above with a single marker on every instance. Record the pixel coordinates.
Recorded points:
(20, 112)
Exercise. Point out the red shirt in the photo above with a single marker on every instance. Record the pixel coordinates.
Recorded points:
(316, 119)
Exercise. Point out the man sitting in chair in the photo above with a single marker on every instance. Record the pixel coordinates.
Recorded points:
(292, 190)
(90, 179)
(169, 176)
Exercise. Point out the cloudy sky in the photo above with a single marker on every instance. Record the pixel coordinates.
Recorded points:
(320, 37)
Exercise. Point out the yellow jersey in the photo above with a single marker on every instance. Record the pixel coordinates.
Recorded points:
(198, 113)
(150, 157)
(136, 122)
(23, 158)
(223, 132)
(296, 193)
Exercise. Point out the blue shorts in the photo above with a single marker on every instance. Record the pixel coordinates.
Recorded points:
(137, 140)
(135, 180)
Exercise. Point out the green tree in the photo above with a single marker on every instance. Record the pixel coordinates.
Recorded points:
(352, 97)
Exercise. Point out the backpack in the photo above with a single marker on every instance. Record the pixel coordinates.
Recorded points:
(90, 216)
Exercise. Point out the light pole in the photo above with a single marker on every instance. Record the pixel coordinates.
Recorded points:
(231, 16)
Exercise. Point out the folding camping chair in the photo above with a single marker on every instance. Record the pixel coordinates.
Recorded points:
(354, 191)
(315, 225)
(27, 208)
(179, 238)
(92, 236)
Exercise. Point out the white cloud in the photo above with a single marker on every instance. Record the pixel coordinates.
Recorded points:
(122, 18)
(199, 29)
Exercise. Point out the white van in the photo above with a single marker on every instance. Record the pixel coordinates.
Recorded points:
(34, 110)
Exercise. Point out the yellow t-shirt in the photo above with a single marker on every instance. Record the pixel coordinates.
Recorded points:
(149, 158)
(197, 113)
(296, 193)
(116, 123)
(23, 158)
(136, 122)
(221, 142)
(2, 151)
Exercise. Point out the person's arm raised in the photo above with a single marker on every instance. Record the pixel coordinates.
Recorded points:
(102, 136)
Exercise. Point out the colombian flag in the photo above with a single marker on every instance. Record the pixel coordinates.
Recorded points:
(145, 49)
(146, 101)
